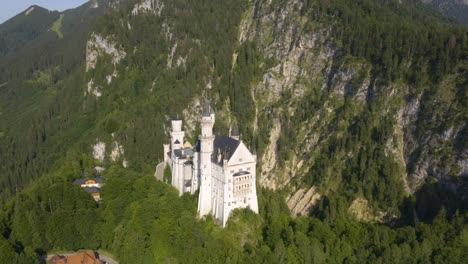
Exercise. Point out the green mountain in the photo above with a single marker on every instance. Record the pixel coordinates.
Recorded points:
(357, 111)
(24, 28)
(457, 9)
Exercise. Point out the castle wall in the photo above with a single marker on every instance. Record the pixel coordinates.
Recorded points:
(223, 187)
(218, 191)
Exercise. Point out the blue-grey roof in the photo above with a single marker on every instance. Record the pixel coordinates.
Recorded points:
(92, 189)
(241, 173)
(183, 153)
(99, 179)
(80, 181)
(83, 180)
(226, 146)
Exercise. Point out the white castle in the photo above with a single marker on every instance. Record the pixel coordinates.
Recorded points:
(221, 167)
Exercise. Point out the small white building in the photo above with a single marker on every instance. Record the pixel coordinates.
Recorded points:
(221, 167)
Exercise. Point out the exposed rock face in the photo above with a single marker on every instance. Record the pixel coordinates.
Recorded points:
(457, 9)
(29, 10)
(98, 45)
(117, 151)
(192, 117)
(170, 58)
(94, 4)
(93, 89)
(148, 6)
(363, 211)
(301, 54)
(445, 2)
(304, 58)
(269, 159)
(302, 62)
(99, 151)
(302, 201)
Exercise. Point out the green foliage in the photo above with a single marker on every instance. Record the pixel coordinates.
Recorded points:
(401, 40)
(57, 26)
(47, 124)
(142, 220)
(167, 176)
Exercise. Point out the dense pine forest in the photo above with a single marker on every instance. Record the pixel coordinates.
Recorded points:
(323, 90)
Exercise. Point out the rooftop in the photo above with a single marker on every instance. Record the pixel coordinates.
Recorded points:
(92, 189)
(83, 180)
(176, 118)
(226, 146)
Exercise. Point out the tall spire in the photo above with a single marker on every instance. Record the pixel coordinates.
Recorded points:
(207, 109)
(235, 131)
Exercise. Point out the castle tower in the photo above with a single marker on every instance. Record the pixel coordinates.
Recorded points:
(206, 150)
(177, 139)
(235, 132)
(176, 134)
(167, 148)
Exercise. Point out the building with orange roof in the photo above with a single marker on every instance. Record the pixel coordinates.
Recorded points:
(81, 257)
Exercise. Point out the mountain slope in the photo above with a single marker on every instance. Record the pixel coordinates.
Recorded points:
(35, 81)
(24, 28)
(357, 111)
(338, 91)
(457, 9)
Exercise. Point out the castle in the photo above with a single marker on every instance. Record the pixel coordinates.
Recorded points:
(221, 167)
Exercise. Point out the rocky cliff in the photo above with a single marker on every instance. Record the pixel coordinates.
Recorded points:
(363, 100)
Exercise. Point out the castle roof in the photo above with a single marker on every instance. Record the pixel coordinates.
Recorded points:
(225, 146)
(241, 173)
(183, 153)
(83, 180)
(176, 118)
(92, 189)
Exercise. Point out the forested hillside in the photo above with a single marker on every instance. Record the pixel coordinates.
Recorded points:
(456, 9)
(357, 111)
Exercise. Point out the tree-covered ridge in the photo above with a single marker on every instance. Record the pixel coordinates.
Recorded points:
(24, 28)
(362, 124)
(346, 119)
(142, 220)
(40, 93)
(456, 9)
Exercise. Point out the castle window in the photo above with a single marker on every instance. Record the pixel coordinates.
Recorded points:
(240, 159)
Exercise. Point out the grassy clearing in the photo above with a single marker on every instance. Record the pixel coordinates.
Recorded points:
(57, 26)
